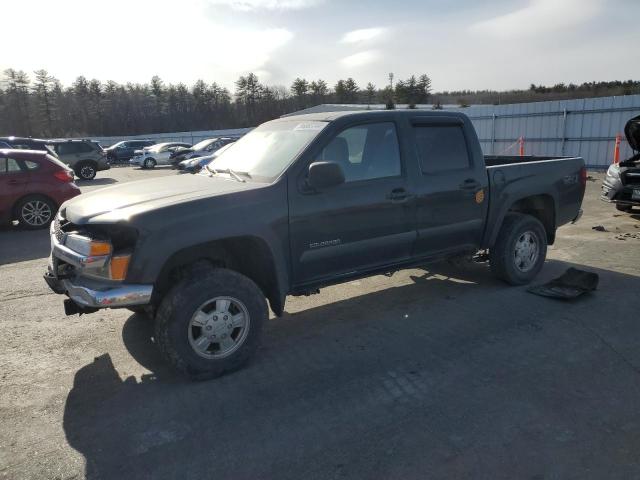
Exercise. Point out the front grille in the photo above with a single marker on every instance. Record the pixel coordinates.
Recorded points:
(60, 226)
(57, 231)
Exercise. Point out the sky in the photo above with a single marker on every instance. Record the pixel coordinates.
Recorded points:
(460, 44)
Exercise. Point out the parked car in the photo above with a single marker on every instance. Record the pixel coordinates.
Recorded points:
(194, 165)
(85, 157)
(200, 149)
(123, 151)
(32, 186)
(158, 154)
(621, 185)
(297, 204)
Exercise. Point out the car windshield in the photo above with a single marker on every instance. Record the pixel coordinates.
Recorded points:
(266, 151)
(203, 144)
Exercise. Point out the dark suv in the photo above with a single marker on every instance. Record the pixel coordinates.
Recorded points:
(85, 157)
(123, 151)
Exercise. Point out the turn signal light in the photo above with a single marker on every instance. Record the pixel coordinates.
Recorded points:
(119, 266)
(98, 249)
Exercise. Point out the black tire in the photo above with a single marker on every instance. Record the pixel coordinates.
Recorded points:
(26, 211)
(173, 327)
(623, 208)
(149, 163)
(86, 170)
(516, 229)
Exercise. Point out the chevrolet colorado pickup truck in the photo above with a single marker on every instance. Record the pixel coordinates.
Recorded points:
(298, 204)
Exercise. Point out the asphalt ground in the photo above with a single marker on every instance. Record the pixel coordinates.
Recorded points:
(442, 372)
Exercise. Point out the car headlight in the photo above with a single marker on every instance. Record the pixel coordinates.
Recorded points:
(116, 265)
(87, 246)
(613, 170)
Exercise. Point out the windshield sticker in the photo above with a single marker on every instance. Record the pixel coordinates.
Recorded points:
(309, 126)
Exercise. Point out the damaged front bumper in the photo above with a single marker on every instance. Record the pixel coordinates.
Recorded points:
(94, 294)
(614, 191)
(67, 274)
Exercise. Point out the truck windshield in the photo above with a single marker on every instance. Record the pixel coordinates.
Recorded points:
(266, 151)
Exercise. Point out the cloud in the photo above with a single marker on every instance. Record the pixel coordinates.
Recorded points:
(250, 5)
(362, 35)
(360, 59)
(538, 17)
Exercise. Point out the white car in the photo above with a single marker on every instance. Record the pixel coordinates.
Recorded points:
(157, 154)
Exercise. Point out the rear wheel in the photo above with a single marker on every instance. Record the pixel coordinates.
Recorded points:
(86, 170)
(211, 324)
(149, 163)
(623, 208)
(520, 249)
(35, 212)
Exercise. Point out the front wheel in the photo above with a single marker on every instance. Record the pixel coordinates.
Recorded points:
(211, 325)
(520, 249)
(149, 163)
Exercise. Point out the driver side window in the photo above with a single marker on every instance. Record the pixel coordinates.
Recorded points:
(365, 152)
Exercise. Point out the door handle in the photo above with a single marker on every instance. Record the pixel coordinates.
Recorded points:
(399, 195)
(469, 184)
(13, 182)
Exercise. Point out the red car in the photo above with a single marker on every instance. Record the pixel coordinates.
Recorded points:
(33, 185)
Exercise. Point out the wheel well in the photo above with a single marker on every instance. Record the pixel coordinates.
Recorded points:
(14, 209)
(543, 208)
(81, 162)
(249, 256)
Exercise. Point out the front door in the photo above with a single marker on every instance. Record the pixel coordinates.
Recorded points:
(363, 224)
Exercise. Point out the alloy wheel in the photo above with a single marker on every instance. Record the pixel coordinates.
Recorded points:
(36, 213)
(218, 327)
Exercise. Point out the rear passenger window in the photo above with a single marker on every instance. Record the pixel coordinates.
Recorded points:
(13, 166)
(365, 152)
(9, 165)
(441, 148)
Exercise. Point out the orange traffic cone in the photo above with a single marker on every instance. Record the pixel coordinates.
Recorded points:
(521, 142)
(616, 149)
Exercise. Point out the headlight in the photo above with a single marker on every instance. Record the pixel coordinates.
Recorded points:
(115, 267)
(613, 170)
(87, 247)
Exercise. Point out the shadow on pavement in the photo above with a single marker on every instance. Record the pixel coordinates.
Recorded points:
(454, 374)
(14, 239)
(95, 181)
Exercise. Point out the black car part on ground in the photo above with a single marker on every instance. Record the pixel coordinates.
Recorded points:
(571, 284)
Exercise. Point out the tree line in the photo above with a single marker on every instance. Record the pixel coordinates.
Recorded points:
(40, 106)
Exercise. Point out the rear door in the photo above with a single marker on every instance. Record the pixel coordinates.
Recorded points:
(13, 184)
(365, 223)
(452, 194)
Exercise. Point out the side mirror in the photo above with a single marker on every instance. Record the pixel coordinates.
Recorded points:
(324, 175)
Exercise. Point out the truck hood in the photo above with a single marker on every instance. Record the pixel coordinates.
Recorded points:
(632, 132)
(121, 202)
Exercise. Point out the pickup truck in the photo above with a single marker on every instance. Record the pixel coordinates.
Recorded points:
(297, 204)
